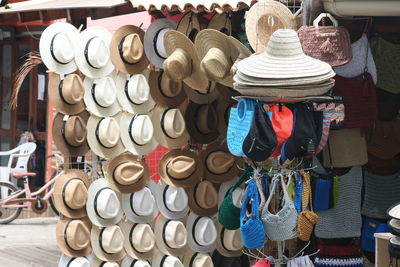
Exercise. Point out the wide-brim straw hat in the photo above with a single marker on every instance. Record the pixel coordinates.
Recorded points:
(202, 97)
(165, 91)
(243, 50)
(221, 22)
(96, 239)
(140, 206)
(281, 99)
(116, 49)
(74, 132)
(203, 198)
(221, 246)
(128, 229)
(189, 25)
(206, 230)
(84, 261)
(162, 260)
(263, 19)
(224, 105)
(81, 227)
(130, 262)
(159, 231)
(197, 259)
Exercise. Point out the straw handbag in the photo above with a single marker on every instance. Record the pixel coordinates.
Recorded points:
(307, 218)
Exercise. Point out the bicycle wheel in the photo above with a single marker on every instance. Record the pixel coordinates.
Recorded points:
(7, 215)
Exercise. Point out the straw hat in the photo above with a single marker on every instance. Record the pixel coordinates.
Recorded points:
(161, 260)
(203, 198)
(104, 136)
(154, 41)
(183, 63)
(221, 22)
(281, 99)
(165, 91)
(84, 261)
(169, 126)
(137, 133)
(70, 193)
(263, 19)
(69, 133)
(180, 168)
(103, 204)
(99, 263)
(127, 50)
(139, 240)
(229, 242)
(224, 105)
(92, 53)
(129, 262)
(126, 173)
(244, 52)
(57, 45)
(133, 92)
(202, 233)
(394, 211)
(196, 259)
(202, 97)
(66, 93)
(171, 236)
(73, 236)
(108, 242)
(189, 25)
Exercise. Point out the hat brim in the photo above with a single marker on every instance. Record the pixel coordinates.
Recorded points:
(195, 208)
(126, 227)
(191, 242)
(188, 25)
(65, 261)
(61, 243)
(224, 189)
(98, 251)
(394, 211)
(243, 50)
(200, 97)
(158, 232)
(129, 262)
(158, 96)
(134, 217)
(221, 248)
(159, 257)
(288, 99)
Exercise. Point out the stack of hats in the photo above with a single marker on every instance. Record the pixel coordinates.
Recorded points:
(394, 226)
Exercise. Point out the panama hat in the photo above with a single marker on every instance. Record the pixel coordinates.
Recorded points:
(169, 126)
(73, 236)
(196, 259)
(104, 136)
(92, 53)
(99, 263)
(161, 260)
(84, 261)
(154, 41)
(189, 25)
(183, 63)
(171, 236)
(66, 93)
(221, 22)
(103, 204)
(202, 97)
(57, 45)
(108, 242)
(165, 91)
(139, 240)
(140, 206)
(133, 93)
(202, 233)
(70, 193)
(394, 211)
(129, 262)
(263, 19)
(229, 242)
(203, 198)
(180, 168)
(137, 133)
(69, 133)
(126, 173)
(127, 50)
(171, 201)
(224, 105)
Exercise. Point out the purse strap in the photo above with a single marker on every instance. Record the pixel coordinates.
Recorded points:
(306, 195)
(278, 178)
(251, 195)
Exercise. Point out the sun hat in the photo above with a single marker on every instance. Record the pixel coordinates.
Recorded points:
(133, 92)
(201, 97)
(220, 260)
(171, 236)
(127, 50)
(380, 139)
(139, 240)
(169, 126)
(137, 133)
(57, 45)
(221, 22)
(154, 41)
(165, 91)
(66, 93)
(162, 260)
(202, 233)
(272, 99)
(140, 206)
(197, 259)
(99, 263)
(108, 242)
(180, 168)
(130, 262)
(84, 261)
(183, 62)
(263, 19)
(69, 133)
(394, 227)
(394, 211)
(73, 236)
(92, 53)
(171, 201)
(203, 198)
(103, 204)
(189, 25)
(104, 136)
(243, 50)
(229, 242)
(127, 173)
(224, 105)
(70, 193)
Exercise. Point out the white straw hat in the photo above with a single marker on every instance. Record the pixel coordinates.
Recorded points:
(171, 236)
(202, 233)
(162, 260)
(99, 263)
(139, 240)
(237, 195)
(130, 262)
(141, 206)
(84, 261)
(108, 243)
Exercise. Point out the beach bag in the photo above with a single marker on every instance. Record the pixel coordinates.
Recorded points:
(307, 218)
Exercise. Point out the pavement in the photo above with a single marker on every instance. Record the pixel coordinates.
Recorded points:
(29, 243)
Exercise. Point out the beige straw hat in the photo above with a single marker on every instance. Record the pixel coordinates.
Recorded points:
(189, 25)
(229, 242)
(243, 50)
(221, 22)
(203, 198)
(139, 240)
(108, 242)
(73, 236)
(165, 91)
(171, 236)
(197, 259)
(202, 97)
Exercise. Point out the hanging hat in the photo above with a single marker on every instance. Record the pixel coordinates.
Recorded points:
(104, 136)
(127, 50)
(84, 261)
(139, 240)
(133, 93)
(70, 193)
(202, 97)
(69, 133)
(263, 19)
(169, 126)
(57, 45)
(99, 263)
(171, 236)
(243, 50)
(203, 198)
(66, 93)
(108, 242)
(201, 122)
(126, 173)
(171, 201)
(381, 138)
(180, 168)
(197, 259)
(189, 25)
(154, 41)
(161, 260)
(220, 165)
(137, 133)
(73, 236)
(202, 233)
(229, 242)
(183, 63)
(165, 91)
(224, 105)
(221, 22)
(129, 262)
(103, 204)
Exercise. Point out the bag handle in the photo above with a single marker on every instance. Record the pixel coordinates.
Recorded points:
(251, 195)
(307, 195)
(278, 178)
(325, 15)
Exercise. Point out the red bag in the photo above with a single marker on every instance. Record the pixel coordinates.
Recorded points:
(282, 122)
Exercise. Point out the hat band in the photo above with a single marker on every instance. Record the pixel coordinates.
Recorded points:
(130, 131)
(60, 85)
(87, 52)
(63, 191)
(163, 260)
(52, 50)
(63, 134)
(206, 165)
(101, 243)
(130, 239)
(65, 234)
(115, 181)
(95, 202)
(162, 124)
(179, 179)
(97, 135)
(127, 94)
(163, 234)
(193, 258)
(121, 53)
(193, 230)
(155, 43)
(93, 92)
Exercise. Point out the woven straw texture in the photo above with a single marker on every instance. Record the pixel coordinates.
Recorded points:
(307, 218)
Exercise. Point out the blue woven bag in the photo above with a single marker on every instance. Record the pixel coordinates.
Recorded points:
(240, 120)
(298, 197)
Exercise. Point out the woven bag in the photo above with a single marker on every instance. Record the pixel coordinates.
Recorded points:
(307, 218)
(330, 44)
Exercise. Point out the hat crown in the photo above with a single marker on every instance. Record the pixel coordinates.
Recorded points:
(284, 42)
(108, 204)
(141, 263)
(63, 48)
(174, 123)
(75, 131)
(138, 89)
(176, 199)
(181, 166)
(77, 235)
(206, 195)
(202, 260)
(112, 239)
(105, 91)
(169, 87)
(143, 238)
(143, 202)
(232, 240)
(215, 64)
(175, 234)
(220, 162)
(160, 48)
(109, 132)
(75, 194)
(79, 262)
(132, 48)
(128, 172)
(205, 231)
(98, 53)
(171, 261)
(142, 129)
(178, 65)
(72, 89)
(206, 119)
